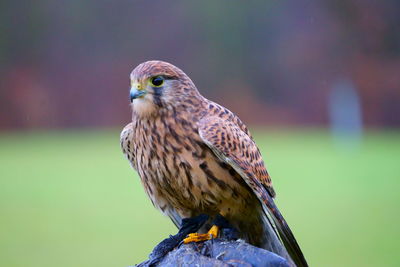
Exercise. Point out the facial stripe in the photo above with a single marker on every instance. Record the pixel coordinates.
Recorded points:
(157, 95)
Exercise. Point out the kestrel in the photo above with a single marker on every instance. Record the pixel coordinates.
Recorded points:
(196, 157)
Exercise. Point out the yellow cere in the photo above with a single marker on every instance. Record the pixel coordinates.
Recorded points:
(136, 85)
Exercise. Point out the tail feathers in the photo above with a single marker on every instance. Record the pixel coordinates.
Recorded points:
(271, 240)
(290, 244)
(285, 234)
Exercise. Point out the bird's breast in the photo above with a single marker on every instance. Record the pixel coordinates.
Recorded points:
(178, 170)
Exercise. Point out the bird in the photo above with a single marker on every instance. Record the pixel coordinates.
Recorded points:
(195, 157)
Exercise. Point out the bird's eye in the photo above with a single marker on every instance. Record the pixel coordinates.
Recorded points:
(157, 81)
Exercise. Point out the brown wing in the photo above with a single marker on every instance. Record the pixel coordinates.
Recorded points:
(127, 145)
(227, 137)
(236, 148)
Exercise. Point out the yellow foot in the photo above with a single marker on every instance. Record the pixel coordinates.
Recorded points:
(196, 237)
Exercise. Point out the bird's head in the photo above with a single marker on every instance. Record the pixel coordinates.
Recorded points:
(158, 85)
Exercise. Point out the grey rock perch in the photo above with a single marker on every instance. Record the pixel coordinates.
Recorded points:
(219, 252)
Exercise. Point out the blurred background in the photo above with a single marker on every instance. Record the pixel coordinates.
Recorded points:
(318, 82)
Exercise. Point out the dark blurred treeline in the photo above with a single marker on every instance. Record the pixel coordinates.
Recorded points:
(67, 63)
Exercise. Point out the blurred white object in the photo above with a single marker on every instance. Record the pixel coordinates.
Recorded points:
(345, 114)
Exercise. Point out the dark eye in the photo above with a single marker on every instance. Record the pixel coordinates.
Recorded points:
(157, 81)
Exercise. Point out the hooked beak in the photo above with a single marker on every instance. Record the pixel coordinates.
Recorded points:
(135, 93)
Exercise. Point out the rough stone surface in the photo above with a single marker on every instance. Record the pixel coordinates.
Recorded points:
(219, 252)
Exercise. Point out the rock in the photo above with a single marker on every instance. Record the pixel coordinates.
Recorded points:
(219, 252)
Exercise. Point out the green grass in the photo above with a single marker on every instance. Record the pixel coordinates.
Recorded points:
(71, 199)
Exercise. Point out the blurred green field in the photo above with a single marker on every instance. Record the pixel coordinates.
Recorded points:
(71, 199)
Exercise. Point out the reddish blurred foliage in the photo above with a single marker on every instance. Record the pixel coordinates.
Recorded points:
(67, 64)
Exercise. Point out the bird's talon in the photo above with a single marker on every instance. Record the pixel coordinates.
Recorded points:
(192, 234)
(196, 237)
(213, 231)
